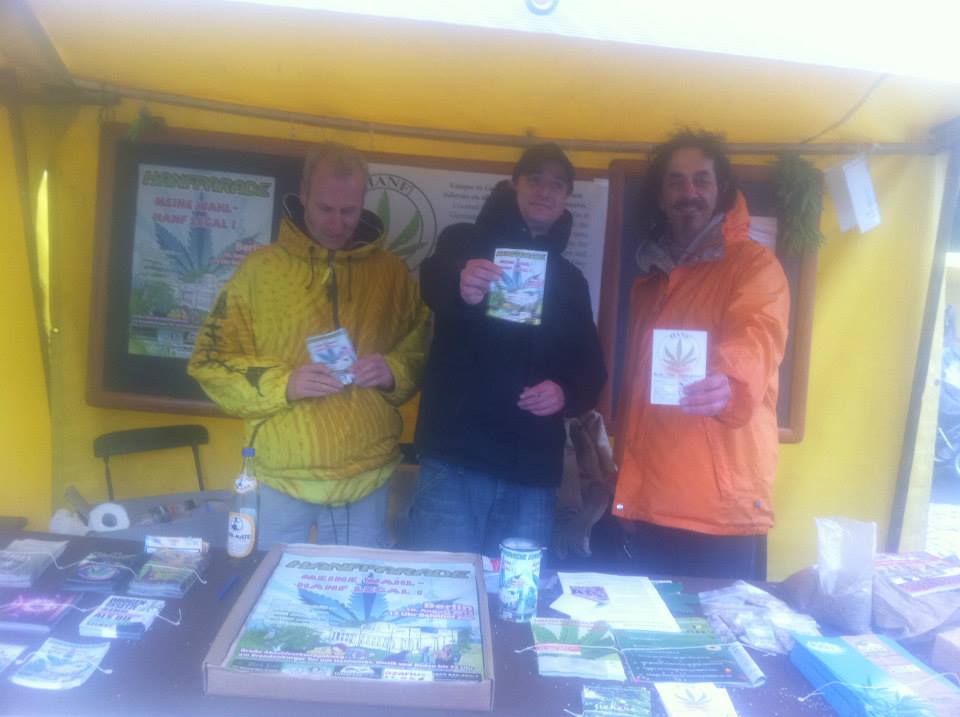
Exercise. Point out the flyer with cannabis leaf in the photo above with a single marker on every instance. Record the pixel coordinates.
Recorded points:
(679, 359)
(518, 294)
(335, 351)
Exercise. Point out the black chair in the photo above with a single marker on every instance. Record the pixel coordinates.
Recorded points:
(12, 522)
(139, 440)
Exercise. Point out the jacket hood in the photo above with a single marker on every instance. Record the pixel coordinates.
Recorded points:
(500, 214)
(295, 237)
(736, 223)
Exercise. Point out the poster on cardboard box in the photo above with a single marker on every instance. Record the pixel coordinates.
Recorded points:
(329, 617)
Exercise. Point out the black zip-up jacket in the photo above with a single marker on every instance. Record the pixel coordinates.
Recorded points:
(478, 365)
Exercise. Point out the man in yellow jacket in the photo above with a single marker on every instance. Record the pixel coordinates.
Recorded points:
(325, 450)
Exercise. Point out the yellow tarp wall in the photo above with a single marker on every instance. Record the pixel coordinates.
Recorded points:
(24, 418)
(870, 297)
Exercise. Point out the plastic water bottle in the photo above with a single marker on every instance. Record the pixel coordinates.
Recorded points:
(242, 521)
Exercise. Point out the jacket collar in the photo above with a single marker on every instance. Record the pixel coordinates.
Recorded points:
(501, 215)
(709, 245)
(296, 240)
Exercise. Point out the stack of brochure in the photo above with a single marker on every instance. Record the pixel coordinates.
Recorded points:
(872, 675)
(121, 616)
(35, 612)
(698, 653)
(103, 572)
(24, 560)
(568, 648)
(615, 701)
(919, 573)
(168, 574)
(59, 665)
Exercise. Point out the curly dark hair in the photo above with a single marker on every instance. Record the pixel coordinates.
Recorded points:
(712, 145)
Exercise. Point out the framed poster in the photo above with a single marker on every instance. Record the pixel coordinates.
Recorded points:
(177, 214)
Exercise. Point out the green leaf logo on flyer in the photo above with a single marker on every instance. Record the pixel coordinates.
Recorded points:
(409, 220)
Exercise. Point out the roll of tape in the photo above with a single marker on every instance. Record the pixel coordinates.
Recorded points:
(108, 516)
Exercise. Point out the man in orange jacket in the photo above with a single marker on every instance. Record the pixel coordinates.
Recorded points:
(694, 489)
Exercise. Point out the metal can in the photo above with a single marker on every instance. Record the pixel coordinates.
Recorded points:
(519, 579)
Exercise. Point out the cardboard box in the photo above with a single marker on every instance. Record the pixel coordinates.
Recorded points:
(220, 679)
(945, 656)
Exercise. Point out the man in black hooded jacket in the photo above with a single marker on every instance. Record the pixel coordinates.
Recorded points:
(490, 430)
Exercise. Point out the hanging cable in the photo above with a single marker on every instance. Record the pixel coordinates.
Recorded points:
(857, 105)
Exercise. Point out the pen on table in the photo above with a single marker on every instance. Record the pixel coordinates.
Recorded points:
(228, 586)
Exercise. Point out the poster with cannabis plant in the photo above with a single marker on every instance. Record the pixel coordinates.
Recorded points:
(192, 229)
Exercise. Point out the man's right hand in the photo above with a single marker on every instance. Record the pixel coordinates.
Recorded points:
(475, 280)
(312, 380)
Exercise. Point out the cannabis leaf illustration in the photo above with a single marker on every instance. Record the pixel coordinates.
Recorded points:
(192, 262)
(364, 607)
(408, 240)
(383, 211)
(679, 361)
(327, 356)
(511, 282)
(595, 643)
(890, 702)
(695, 700)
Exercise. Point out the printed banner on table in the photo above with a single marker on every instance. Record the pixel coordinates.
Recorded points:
(193, 228)
(370, 618)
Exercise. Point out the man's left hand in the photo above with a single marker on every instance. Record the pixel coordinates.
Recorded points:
(707, 397)
(544, 399)
(373, 372)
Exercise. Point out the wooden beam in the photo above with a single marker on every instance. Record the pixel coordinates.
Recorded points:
(467, 137)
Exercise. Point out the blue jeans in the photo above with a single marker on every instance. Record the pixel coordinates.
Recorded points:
(285, 519)
(466, 511)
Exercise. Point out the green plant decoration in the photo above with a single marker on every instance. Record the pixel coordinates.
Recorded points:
(799, 188)
(145, 124)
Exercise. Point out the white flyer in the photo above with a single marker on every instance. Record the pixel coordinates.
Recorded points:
(692, 699)
(679, 359)
(624, 601)
(335, 351)
(9, 653)
(518, 294)
(59, 665)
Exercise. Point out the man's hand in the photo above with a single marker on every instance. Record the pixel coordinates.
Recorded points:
(475, 280)
(373, 372)
(707, 397)
(312, 380)
(544, 399)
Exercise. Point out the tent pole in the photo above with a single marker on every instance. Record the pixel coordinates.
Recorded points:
(946, 134)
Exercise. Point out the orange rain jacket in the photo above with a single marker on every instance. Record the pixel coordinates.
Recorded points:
(707, 474)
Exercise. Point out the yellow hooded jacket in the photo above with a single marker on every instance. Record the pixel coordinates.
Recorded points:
(255, 336)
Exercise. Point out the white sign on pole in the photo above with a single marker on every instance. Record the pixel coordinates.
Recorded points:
(852, 190)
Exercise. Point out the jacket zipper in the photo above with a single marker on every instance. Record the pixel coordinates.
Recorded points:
(332, 292)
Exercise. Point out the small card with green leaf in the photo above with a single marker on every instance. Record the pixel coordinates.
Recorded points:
(694, 699)
(679, 359)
